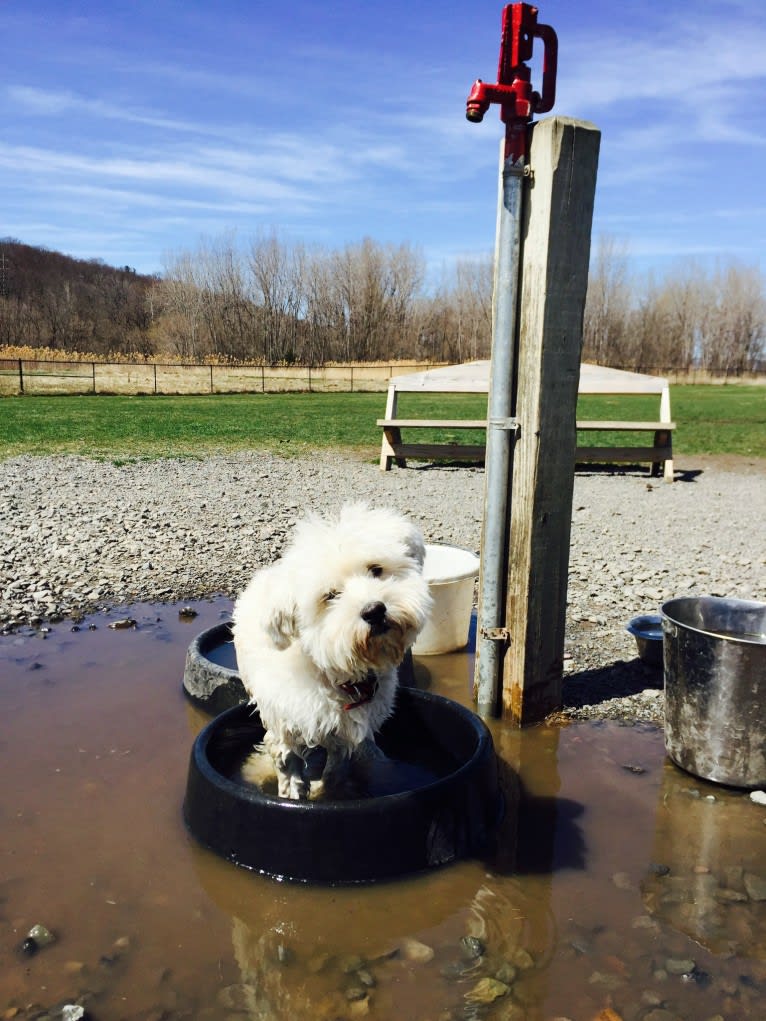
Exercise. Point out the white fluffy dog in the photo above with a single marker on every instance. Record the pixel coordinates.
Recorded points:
(320, 633)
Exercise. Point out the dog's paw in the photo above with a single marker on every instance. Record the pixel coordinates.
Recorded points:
(259, 770)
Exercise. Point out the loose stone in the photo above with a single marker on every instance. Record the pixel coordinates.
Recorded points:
(506, 973)
(605, 979)
(486, 991)
(416, 951)
(236, 997)
(679, 966)
(471, 947)
(755, 886)
(73, 1012)
(522, 959)
(42, 936)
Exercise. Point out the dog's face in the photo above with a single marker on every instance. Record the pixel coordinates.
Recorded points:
(359, 596)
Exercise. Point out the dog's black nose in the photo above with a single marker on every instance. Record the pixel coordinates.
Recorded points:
(374, 613)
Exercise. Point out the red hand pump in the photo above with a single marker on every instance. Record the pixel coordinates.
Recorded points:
(513, 90)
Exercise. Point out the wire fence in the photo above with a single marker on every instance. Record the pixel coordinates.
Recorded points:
(33, 377)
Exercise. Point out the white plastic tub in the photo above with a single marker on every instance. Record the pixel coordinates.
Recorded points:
(450, 572)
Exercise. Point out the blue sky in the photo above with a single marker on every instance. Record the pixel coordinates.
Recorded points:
(130, 131)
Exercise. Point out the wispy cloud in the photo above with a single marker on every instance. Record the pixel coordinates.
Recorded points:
(49, 103)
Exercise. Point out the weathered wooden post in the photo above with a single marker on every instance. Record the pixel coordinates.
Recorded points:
(554, 278)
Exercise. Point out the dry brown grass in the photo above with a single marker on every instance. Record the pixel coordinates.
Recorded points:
(48, 354)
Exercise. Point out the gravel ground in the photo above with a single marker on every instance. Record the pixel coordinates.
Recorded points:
(78, 535)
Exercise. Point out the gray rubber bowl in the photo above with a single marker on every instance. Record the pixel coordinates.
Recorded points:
(211, 679)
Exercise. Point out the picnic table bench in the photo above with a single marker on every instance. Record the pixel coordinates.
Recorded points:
(473, 377)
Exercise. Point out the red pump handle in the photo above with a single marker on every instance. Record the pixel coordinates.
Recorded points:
(550, 66)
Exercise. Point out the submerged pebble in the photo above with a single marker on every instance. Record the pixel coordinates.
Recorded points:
(123, 625)
(679, 966)
(39, 936)
(486, 991)
(73, 1012)
(471, 947)
(414, 950)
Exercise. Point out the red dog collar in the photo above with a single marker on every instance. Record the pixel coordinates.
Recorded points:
(360, 692)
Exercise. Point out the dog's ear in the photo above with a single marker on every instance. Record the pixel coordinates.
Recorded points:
(282, 625)
(279, 605)
(414, 545)
(268, 605)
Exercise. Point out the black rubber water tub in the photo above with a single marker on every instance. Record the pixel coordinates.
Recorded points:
(435, 801)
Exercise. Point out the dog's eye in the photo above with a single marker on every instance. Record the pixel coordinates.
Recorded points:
(375, 570)
(329, 596)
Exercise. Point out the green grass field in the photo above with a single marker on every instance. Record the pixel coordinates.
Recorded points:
(710, 420)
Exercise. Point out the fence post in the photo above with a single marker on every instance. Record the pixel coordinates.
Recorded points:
(554, 276)
(211, 380)
(21, 376)
(93, 369)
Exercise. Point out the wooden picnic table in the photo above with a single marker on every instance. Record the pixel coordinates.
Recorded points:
(473, 377)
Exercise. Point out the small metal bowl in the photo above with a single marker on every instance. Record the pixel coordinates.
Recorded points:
(647, 630)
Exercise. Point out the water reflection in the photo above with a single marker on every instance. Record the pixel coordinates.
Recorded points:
(706, 878)
(414, 948)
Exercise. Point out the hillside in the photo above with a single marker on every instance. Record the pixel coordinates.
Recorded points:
(48, 299)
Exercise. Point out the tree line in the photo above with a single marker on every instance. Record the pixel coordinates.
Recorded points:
(276, 302)
(691, 318)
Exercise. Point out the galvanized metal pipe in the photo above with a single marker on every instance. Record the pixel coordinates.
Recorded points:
(502, 428)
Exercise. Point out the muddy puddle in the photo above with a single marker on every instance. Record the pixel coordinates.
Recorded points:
(624, 885)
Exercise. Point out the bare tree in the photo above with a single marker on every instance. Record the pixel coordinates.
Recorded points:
(606, 338)
(473, 306)
(324, 315)
(279, 288)
(226, 299)
(373, 289)
(733, 330)
(179, 300)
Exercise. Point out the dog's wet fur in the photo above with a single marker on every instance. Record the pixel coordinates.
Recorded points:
(319, 636)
